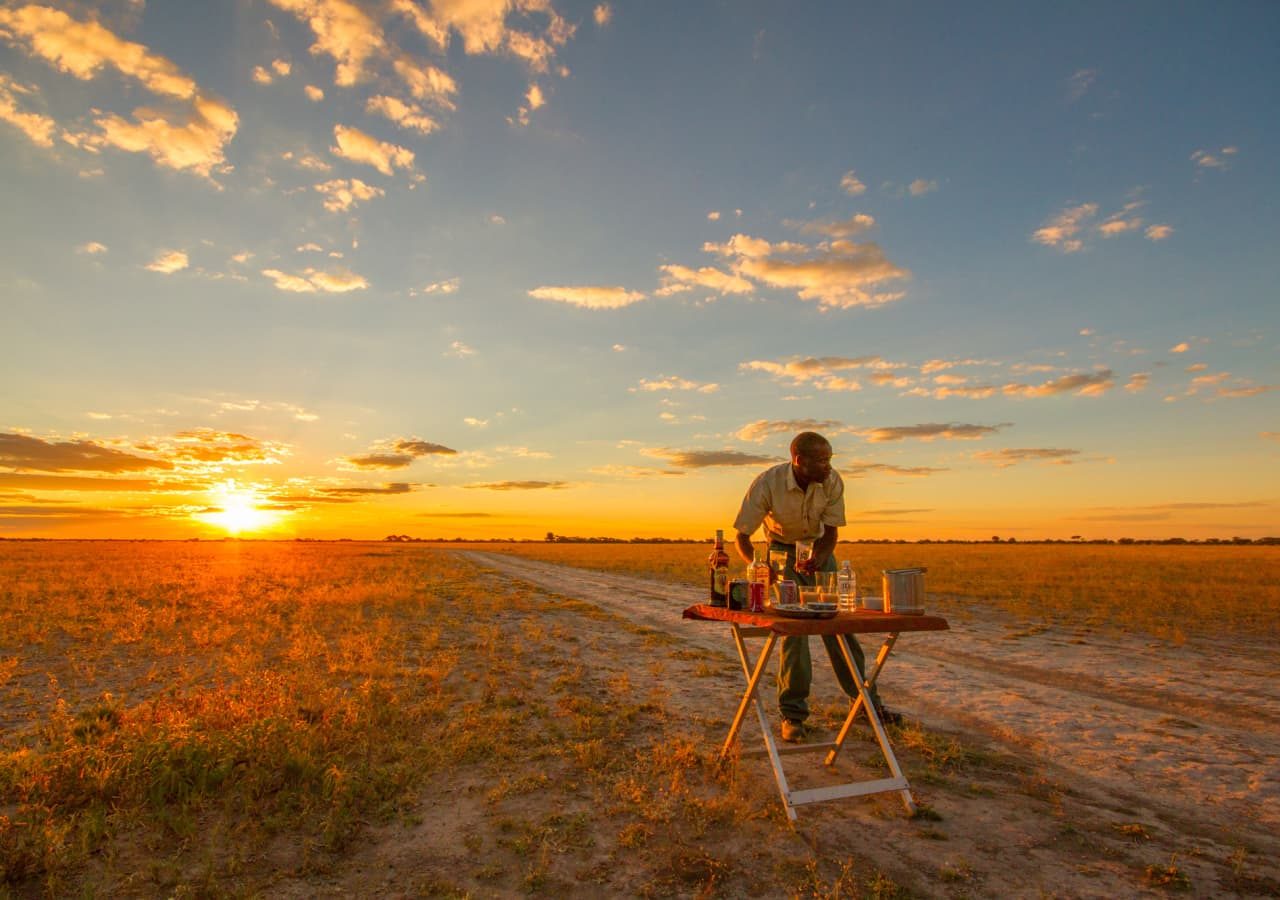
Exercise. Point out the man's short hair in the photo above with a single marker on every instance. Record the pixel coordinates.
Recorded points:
(806, 442)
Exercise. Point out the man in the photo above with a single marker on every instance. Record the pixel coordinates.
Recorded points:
(802, 500)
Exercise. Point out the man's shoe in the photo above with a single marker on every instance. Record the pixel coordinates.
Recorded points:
(793, 732)
(888, 716)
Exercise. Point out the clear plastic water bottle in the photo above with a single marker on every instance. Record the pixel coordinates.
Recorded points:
(847, 586)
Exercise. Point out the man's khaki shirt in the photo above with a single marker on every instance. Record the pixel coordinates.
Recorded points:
(789, 513)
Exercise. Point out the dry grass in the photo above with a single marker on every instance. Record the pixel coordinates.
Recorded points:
(1169, 591)
(234, 719)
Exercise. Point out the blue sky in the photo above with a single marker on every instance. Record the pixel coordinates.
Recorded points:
(487, 267)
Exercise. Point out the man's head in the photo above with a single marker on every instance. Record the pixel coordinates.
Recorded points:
(810, 457)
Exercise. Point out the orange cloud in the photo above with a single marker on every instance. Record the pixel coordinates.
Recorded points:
(353, 144)
(25, 453)
(338, 281)
(761, 429)
(589, 296)
(341, 194)
(342, 30)
(168, 262)
(82, 49)
(675, 383)
(1062, 231)
(406, 115)
(703, 459)
(518, 486)
(1011, 457)
(851, 227)
(1083, 385)
(38, 128)
(850, 184)
(929, 432)
(678, 279)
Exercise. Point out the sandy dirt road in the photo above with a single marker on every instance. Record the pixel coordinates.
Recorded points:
(1105, 754)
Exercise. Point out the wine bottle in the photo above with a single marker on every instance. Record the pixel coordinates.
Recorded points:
(718, 563)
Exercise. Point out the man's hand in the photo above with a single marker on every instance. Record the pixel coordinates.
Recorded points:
(745, 550)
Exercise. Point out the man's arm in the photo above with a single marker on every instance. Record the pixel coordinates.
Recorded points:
(745, 548)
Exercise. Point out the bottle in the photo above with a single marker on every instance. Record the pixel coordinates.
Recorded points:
(847, 587)
(759, 569)
(718, 563)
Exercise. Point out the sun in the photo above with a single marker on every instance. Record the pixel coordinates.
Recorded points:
(237, 510)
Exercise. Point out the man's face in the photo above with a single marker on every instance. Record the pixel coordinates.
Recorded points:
(814, 464)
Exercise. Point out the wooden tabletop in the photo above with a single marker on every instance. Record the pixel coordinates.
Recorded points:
(863, 621)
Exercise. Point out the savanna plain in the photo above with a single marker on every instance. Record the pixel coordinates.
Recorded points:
(302, 719)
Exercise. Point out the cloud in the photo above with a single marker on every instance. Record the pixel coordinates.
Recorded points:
(262, 75)
(859, 223)
(1159, 232)
(418, 447)
(1082, 384)
(1215, 159)
(1011, 457)
(761, 429)
(1180, 348)
(678, 279)
(74, 482)
(617, 471)
(858, 469)
(1138, 382)
(460, 350)
(314, 94)
(476, 423)
(83, 49)
(92, 248)
(1079, 83)
(1269, 435)
(838, 274)
(702, 459)
(192, 140)
(929, 432)
(406, 115)
(209, 446)
(713, 216)
(168, 262)
(26, 453)
(533, 36)
(675, 383)
(940, 365)
(338, 281)
(341, 194)
(380, 460)
(342, 30)
(518, 486)
(356, 146)
(819, 371)
(426, 82)
(1062, 231)
(38, 128)
(603, 13)
(449, 286)
(348, 494)
(850, 184)
(920, 187)
(589, 296)
(1245, 390)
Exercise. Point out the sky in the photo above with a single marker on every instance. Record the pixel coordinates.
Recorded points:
(498, 268)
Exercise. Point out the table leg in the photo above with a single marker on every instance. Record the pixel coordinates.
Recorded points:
(751, 698)
(863, 701)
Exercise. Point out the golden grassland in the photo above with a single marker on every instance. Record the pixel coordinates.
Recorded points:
(1169, 591)
(241, 718)
(229, 719)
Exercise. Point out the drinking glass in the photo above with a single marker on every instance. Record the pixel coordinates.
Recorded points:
(804, 552)
(829, 588)
(810, 594)
(778, 564)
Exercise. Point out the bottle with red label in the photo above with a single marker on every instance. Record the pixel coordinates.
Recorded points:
(718, 563)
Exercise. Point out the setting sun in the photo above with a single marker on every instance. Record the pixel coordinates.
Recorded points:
(238, 511)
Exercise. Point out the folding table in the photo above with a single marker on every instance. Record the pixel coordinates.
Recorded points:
(770, 627)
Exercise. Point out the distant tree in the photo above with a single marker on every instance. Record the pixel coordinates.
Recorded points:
(995, 538)
(551, 537)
